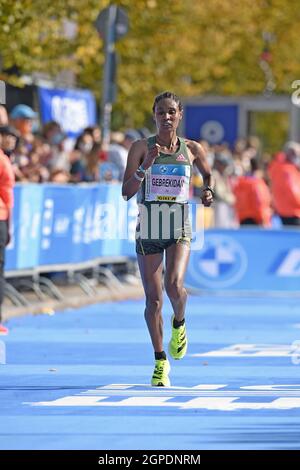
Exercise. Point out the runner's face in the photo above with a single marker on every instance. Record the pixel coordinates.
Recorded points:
(167, 115)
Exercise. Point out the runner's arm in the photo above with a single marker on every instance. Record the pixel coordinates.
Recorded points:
(131, 183)
(200, 160)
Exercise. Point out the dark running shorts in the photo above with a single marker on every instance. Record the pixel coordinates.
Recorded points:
(152, 247)
(176, 222)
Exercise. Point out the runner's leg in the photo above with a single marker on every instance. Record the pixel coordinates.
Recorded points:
(177, 257)
(151, 272)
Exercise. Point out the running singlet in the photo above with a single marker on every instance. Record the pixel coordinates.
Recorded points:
(168, 179)
(163, 196)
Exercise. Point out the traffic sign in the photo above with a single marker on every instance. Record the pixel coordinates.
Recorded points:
(121, 23)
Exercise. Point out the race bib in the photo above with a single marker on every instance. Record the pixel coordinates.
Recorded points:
(169, 183)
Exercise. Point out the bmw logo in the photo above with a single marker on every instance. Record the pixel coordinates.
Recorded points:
(163, 169)
(221, 263)
(212, 131)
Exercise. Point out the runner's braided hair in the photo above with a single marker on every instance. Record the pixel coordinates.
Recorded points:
(167, 94)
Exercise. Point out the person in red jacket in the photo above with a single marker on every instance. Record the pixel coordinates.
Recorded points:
(6, 203)
(253, 198)
(284, 174)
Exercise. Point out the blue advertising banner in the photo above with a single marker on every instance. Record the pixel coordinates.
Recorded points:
(72, 109)
(30, 225)
(109, 222)
(214, 123)
(94, 222)
(64, 224)
(56, 245)
(23, 251)
(61, 224)
(11, 252)
(128, 211)
(246, 259)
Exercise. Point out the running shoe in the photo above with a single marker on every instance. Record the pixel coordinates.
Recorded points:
(179, 342)
(160, 377)
(3, 330)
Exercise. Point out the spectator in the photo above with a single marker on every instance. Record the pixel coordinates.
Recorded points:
(86, 167)
(209, 152)
(95, 132)
(20, 160)
(34, 171)
(109, 172)
(130, 136)
(9, 139)
(84, 142)
(84, 146)
(144, 132)
(3, 116)
(51, 132)
(59, 176)
(12, 148)
(90, 168)
(118, 152)
(224, 197)
(42, 148)
(59, 157)
(253, 198)
(285, 184)
(6, 203)
(22, 117)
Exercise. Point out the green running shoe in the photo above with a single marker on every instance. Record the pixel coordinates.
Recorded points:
(160, 376)
(179, 342)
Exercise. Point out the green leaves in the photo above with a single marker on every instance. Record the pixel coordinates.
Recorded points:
(190, 47)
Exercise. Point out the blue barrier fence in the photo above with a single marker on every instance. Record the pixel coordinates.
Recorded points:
(247, 259)
(58, 224)
(66, 224)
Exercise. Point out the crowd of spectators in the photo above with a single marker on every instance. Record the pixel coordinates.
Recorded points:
(251, 187)
(48, 155)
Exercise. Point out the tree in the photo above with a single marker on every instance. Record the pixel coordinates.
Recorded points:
(190, 47)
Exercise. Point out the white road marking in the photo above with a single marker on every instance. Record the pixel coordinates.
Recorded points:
(203, 396)
(251, 350)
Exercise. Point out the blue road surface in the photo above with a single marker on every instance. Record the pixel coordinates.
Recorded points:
(79, 379)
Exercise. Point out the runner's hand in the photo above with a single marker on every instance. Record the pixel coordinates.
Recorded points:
(207, 198)
(151, 156)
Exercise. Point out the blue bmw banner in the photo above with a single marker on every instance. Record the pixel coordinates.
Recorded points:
(215, 123)
(246, 259)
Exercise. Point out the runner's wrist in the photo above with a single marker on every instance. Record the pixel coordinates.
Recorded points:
(141, 170)
(138, 176)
